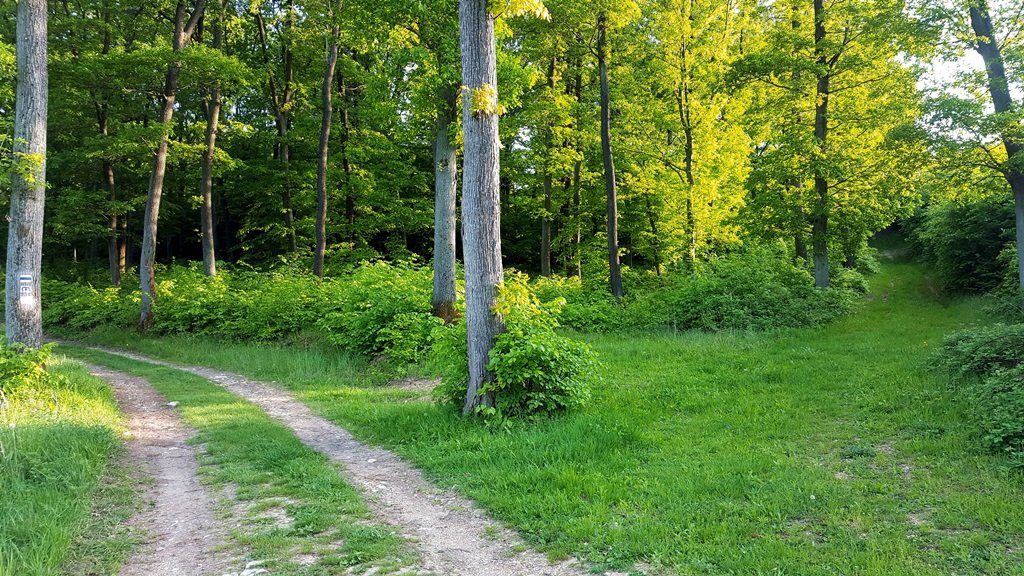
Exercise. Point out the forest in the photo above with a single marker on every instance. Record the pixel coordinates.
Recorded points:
(512, 287)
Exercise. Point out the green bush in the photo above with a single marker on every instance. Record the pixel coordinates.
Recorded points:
(21, 366)
(989, 362)
(537, 371)
(375, 310)
(963, 241)
(380, 310)
(757, 289)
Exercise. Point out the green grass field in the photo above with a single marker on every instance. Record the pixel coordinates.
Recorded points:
(821, 451)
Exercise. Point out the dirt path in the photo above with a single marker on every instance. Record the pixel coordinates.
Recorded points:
(454, 537)
(183, 533)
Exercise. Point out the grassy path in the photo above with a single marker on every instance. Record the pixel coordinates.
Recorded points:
(826, 451)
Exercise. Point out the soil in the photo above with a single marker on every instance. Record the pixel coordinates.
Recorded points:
(183, 534)
(453, 535)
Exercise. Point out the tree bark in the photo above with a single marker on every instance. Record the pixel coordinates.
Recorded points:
(183, 30)
(819, 217)
(325, 137)
(206, 185)
(615, 274)
(23, 311)
(481, 199)
(1002, 101)
(445, 193)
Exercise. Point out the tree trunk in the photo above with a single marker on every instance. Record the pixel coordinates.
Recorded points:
(655, 240)
(481, 200)
(615, 275)
(113, 242)
(545, 227)
(282, 114)
(23, 314)
(1002, 101)
(445, 192)
(819, 217)
(206, 185)
(325, 137)
(577, 214)
(182, 32)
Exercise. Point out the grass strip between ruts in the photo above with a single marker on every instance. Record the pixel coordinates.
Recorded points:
(293, 510)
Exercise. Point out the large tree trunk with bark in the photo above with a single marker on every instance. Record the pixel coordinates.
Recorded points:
(819, 216)
(445, 192)
(481, 199)
(206, 185)
(1002, 101)
(23, 307)
(183, 30)
(325, 138)
(615, 274)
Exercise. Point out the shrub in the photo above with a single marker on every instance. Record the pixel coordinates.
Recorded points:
(21, 366)
(380, 310)
(758, 289)
(537, 371)
(963, 240)
(990, 363)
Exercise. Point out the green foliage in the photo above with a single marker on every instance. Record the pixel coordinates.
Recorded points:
(755, 289)
(989, 362)
(963, 240)
(21, 366)
(380, 309)
(537, 371)
(374, 310)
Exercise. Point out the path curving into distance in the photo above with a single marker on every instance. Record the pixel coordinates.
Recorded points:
(453, 535)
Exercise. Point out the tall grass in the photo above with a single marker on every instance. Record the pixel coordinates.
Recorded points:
(57, 435)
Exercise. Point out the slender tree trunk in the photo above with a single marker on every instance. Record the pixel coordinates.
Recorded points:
(325, 137)
(346, 163)
(445, 192)
(481, 200)
(206, 185)
(819, 217)
(282, 114)
(23, 313)
(685, 122)
(545, 227)
(113, 242)
(1002, 101)
(182, 32)
(615, 274)
(655, 240)
(107, 173)
(577, 214)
